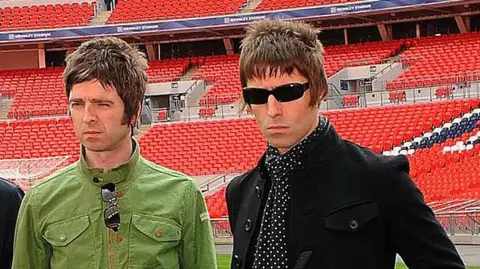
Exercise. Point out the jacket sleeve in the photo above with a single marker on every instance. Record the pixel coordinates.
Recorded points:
(198, 249)
(30, 250)
(418, 237)
(13, 199)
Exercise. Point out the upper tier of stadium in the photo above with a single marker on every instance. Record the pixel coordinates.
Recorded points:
(29, 15)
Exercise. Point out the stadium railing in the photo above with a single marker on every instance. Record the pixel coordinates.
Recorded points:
(365, 99)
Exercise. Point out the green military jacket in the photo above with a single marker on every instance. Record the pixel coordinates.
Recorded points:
(164, 220)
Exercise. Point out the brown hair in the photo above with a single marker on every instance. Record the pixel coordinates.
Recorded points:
(274, 47)
(113, 62)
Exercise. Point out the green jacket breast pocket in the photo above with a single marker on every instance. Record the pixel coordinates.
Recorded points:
(154, 242)
(71, 243)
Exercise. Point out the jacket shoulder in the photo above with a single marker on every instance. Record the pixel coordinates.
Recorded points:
(154, 168)
(9, 189)
(235, 184)
(373, 162)
(52, 180)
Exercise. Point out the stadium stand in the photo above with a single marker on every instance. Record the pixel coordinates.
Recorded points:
(153, 10)
(441, 60)
(219, 146)
(35, 92)
(429, 163)
(266, 5)
(167, 70)
(24, 139)
(223, 70)
(47, 16)
(341, 56)
(30, 87)
(234, 145)
(40, 92)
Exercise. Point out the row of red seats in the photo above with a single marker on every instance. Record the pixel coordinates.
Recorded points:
(40, 92)
(208, 147)
(46, 16)
(223, 70)
(201, 148)
(440, 176)
(206, 112)
(37, 139)
(152, 10)
(397, 96)
(443, 92)
(439, 61)
(286, 4)
(350, 100)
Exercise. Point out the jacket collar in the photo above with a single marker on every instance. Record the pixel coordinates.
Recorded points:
(122, 174)
(323, 148)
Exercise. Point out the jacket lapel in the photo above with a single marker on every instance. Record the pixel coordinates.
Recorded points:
(251, 210)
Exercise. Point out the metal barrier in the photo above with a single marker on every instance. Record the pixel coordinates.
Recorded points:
(461, 222)
(221, 228)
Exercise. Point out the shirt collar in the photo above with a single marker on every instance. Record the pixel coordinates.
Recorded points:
(325, 146)
(273, 154)
(121, 174)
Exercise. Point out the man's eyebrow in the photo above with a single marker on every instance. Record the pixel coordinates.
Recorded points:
(75, 100)
(96, 101)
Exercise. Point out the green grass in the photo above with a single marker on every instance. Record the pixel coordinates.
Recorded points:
(224, 263)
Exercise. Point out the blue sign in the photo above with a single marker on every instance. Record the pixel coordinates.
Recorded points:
(209, 22)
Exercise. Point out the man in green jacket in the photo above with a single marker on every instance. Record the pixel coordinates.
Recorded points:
(112, 208)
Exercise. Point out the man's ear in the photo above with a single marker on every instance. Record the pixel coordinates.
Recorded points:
(136, 118)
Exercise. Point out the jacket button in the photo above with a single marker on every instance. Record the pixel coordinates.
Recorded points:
(258, 191)
(63, 238)
(237, 261)
(159, 233)
(248, 225)
(353, 224)
(119, 239)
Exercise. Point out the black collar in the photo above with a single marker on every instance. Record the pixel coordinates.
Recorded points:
(322, 149)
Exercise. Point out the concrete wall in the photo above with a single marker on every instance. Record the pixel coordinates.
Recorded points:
(196, 93)
(18, 60)
(166, 88)
(380, 83)
(354, 73)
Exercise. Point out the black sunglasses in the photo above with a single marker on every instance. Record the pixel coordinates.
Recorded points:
(283, 93)
(111, 215)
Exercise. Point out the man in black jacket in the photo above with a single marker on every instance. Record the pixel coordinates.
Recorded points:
(10, 199)
(315, 200)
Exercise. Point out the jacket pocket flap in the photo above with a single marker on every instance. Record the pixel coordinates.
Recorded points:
(157, 228)
(351, 218)
(64, 232)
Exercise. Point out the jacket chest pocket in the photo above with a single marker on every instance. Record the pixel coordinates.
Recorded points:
(71, 242)
(352, 233)
(351, 219)
(154, 243)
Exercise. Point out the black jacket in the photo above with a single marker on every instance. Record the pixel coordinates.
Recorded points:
(10, 199)
(349, 208)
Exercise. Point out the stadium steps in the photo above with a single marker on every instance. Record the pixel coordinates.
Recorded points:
(189, 73)
(249, 6)
(101, 18)
(5, 104)
(141, 131)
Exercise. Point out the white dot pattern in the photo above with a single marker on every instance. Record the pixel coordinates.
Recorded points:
(271, 248)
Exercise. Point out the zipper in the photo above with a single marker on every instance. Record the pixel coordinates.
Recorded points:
(111, 256)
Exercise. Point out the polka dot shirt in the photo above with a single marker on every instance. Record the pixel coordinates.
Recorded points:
(271, 249)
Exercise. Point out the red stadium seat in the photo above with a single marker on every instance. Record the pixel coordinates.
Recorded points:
(45, 17)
